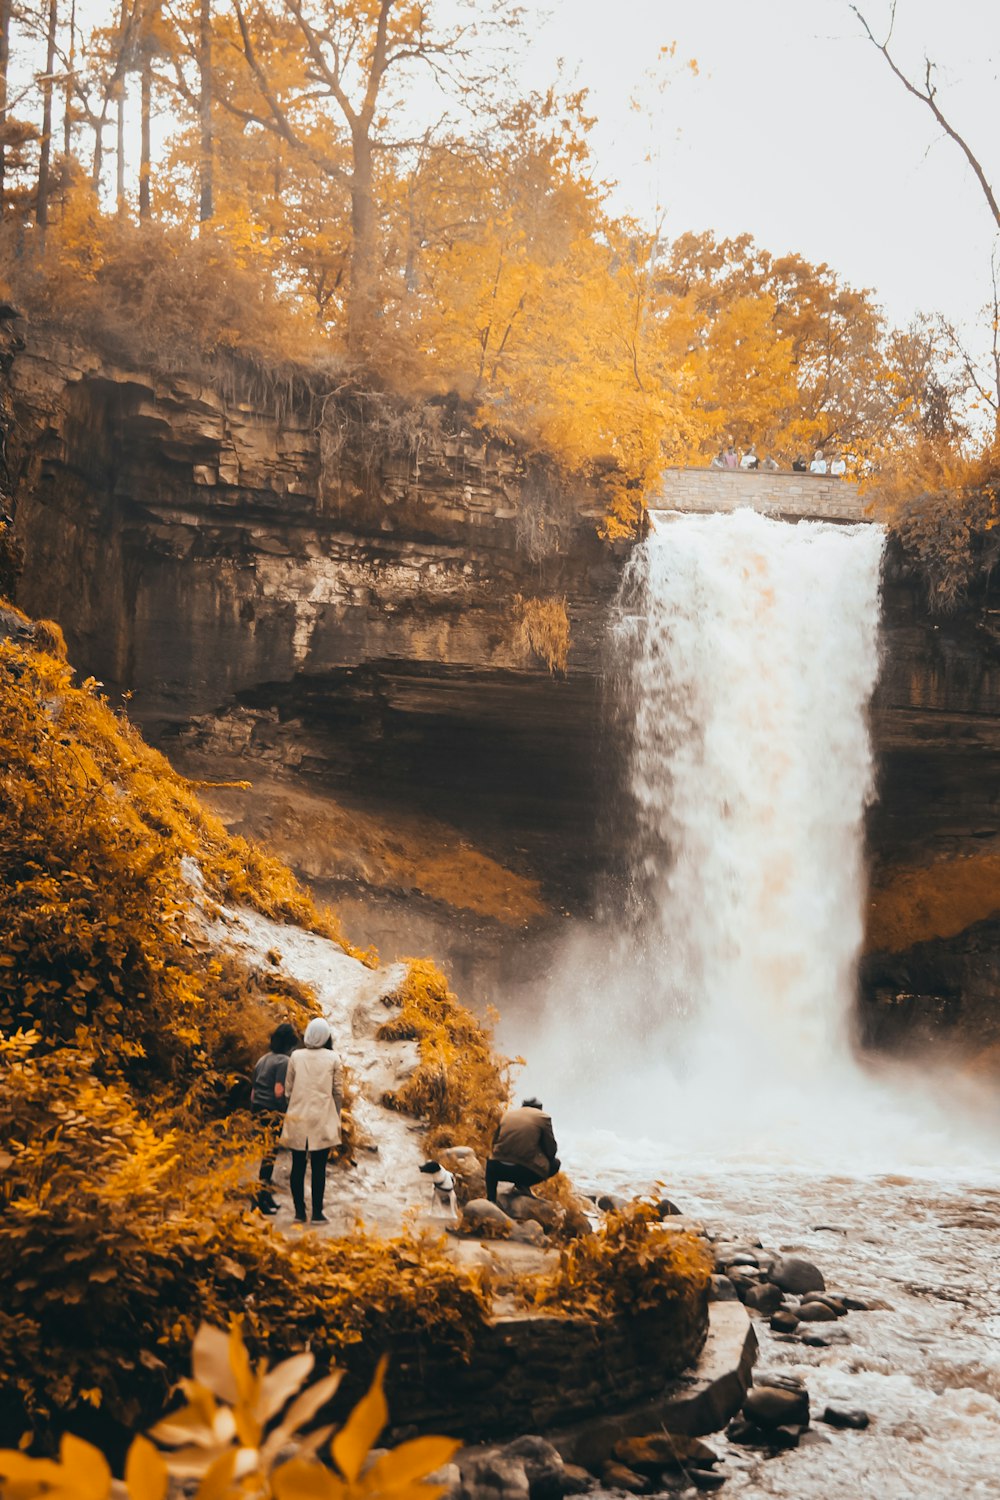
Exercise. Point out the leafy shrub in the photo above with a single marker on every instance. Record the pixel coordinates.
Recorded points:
(630, 1265)
(460, 1086)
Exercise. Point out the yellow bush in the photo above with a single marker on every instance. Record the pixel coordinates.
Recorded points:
(460, 1086)
(631, 1265)
(543, 627)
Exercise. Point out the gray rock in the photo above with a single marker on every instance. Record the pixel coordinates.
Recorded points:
(491, 1475)
(707, 1479)
(816, 1312)
(822, 1337)
(835, 1304)
(528, 1233)
(617, 1477)
(855, 1304)
(793, 1273)
(666, 1208)
(533, 1210)
(543, 1466)
(765, 1298)
(480, 1212)
(846, 1416)
(721, 1289)
(609, 1201)
(772, 1406)
(784, 1320)
(744, 1258)
(578, 1481)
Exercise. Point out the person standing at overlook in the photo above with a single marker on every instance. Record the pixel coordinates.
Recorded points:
(839, 467)
(730, 459)
(818, 465)
(314, 1086)
(524, 1150)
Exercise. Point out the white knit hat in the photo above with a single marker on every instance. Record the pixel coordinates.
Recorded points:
(318, 1032)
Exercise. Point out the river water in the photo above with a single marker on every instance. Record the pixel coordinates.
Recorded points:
(700, 1033)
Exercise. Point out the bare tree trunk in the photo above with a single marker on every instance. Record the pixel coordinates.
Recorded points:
(5, 10)
(45, 152)
(206, 207)
(361, 302)
(120, 150)
(68, 92)
(146, 110)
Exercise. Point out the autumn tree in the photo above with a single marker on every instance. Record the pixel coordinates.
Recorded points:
(357, 60)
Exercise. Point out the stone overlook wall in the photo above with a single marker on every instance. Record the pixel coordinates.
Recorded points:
(805, 496)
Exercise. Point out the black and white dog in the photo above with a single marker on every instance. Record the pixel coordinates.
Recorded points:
(442, 1191)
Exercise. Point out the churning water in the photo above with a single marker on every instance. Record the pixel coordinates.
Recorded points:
(701, 1035)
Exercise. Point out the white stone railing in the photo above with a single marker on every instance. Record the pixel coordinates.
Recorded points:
(808, 496)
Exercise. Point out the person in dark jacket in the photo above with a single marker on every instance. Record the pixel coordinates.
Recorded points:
(268, 1101)
(524, 1150)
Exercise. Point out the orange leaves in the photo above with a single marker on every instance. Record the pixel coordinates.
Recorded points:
(218, 1437)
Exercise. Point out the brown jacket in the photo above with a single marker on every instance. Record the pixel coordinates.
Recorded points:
(524, 1139)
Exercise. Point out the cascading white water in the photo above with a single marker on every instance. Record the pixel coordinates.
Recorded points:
(752, 652)
(713, 1018)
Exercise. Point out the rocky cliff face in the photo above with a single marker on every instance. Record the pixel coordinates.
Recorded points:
(329, 582)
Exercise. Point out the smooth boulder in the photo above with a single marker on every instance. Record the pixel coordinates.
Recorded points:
(770, 1406)
(765, 1298)
(481, 1216)
(793, 1273)
(527, 1210)
(664, 1452)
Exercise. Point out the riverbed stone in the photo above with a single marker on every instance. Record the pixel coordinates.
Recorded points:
(721, 1289)
(666, 1208)
(480, 1215)
(707, 1479)
(577, 1480)
(542, 1464)
(664, 1452)
(855, 1304)
(618, 1477)
(526, 1210)
(490, 1474)
(816, 1312)
(822, 1336)
(744, 1258)
(775, 1406)
(765, 1298)
(793, 1273)
(846, 1416)
(784, 1320)
(527, 1233)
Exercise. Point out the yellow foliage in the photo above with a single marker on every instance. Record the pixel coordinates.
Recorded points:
(229, 1435)
(543, 627)
(631, 1265)
(460, 1086)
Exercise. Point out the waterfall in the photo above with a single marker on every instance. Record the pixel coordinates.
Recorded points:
(750, 653)
(713, 1008)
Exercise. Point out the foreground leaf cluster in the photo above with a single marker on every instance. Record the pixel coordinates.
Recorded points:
(232, 1435)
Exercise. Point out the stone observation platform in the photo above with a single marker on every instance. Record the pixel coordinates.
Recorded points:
(791, 496)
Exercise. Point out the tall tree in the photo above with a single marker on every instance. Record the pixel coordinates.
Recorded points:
(6, 7)
(45, 146)
(350, 53)
(206, 150)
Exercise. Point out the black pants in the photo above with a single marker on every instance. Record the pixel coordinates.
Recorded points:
(505, 1171)
(317, 1161)
(269, 1122)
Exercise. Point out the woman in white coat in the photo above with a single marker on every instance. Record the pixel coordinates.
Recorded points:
(314, 1088)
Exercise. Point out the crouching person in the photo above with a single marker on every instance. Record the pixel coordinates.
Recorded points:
(524, 1150)
(314, 1087)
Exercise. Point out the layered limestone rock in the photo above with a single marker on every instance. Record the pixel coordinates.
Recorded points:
(289, 576)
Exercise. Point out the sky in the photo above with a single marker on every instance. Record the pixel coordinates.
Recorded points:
(795, 130)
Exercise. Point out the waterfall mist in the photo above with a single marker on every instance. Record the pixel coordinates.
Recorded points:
(711, 1012)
